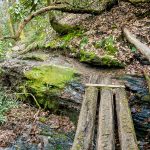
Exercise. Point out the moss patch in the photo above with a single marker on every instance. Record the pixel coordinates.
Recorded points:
(63, 41)
(93, 59)
(108, 44)
(46, 83)
(36, 56)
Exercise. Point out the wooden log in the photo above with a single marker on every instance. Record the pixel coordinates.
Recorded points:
(106, 137)
(105, 85)
(126, 131)
(144, 49)
(85, 129)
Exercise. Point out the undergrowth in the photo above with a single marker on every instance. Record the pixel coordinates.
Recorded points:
(6, 103)
(108, 44)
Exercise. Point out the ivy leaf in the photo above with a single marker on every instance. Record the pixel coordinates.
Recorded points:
(133, 49)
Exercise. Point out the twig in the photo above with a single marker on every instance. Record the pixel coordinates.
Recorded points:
(32, 97)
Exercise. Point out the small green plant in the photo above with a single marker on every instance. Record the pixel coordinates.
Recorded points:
(83, 42)
(108, 44)
(6, 104)
(133, 49)
(86, 56)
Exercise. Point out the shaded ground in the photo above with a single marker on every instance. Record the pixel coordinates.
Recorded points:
(28, 127)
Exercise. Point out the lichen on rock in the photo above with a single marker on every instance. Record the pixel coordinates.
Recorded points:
(35, 56)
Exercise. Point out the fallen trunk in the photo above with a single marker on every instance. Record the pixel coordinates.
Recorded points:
(105, 135)
(144, 49)
(126, 131)
(85, 130)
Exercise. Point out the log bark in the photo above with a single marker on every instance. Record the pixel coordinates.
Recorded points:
(144, 49)
(126, 130)
(85, 129)
(106, 137)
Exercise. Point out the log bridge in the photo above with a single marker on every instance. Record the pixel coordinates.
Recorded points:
(105, 121)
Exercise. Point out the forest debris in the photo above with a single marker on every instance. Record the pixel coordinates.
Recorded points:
(24, 121)
(6, 137)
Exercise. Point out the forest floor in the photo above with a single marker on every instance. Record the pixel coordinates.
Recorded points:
(111, 24)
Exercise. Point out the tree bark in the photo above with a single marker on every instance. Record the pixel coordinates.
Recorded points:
(10, 22)
(144, 49)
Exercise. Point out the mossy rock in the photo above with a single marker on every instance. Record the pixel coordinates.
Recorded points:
(63, 41)
(46, 84)
(93, 59)
(63, 29)
(36, 57)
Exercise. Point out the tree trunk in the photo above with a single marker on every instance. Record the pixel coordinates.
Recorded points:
(10, 22)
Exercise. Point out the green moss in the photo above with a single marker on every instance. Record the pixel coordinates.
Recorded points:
(42, 119)
(108, 44)
(36, 56)
(109, 61)
(93, 59)
(86, 56)
(63, 41)
(46, 83)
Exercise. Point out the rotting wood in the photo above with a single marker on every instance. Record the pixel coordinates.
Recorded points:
(144, 49)
(105, 85)
(105, 136)
(86, 122)
(126, 130)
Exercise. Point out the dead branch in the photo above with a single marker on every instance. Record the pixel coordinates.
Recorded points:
(144, 49)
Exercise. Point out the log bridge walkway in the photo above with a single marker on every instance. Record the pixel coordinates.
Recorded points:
(105, 121)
